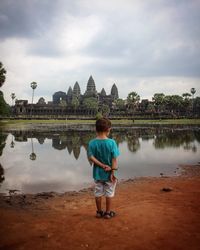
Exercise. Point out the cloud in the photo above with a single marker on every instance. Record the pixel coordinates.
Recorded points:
(25, 18)
(132, 43)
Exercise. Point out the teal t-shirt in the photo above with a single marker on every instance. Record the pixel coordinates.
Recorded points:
(103, 150)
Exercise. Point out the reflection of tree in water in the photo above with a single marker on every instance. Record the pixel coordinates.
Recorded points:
(197, 135)
(20, 136)
(41, 140)
(2, 178)
(133, 142)
(3, 138)
(119, 137)
(74, 140)
(86, 137)
(147, 134)
(176, 138)
(12, 144)
(32, 155)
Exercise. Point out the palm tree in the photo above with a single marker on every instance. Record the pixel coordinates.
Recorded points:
(13, 96)
(193, 91)
(33, 86)
(133, 100)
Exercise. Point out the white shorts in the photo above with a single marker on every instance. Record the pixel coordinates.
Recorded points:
(106, 188)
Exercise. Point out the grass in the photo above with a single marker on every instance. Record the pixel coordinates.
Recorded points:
(16, 123)
(170, 121)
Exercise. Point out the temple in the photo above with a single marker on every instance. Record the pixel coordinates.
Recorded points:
(70, 102)
(91, 91)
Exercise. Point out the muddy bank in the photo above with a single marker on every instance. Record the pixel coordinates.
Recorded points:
(15, 199)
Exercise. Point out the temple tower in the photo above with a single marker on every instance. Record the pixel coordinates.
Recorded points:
(76, 90)
(103, 92)
(91, 88)
(114, 92)
(69, 95)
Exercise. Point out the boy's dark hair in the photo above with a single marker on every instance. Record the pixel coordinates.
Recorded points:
(103, 124)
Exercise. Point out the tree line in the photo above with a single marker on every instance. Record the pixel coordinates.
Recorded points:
(177, 105)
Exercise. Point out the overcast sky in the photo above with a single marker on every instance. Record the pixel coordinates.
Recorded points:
(147, 46)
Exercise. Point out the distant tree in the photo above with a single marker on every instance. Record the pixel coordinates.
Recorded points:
(197, 105)
(187, 103)
(2, 74)
(173, 103)
(132, 100)
(63, 103)
(75, 103)
(150, 108)
(13, 96)
(186, 95)
(33, 86)
(119, 103)
(4, 107)
(105, 110)
(193, 91)
(168, 103)
(99, 115)
(90, 103)
(158, 99)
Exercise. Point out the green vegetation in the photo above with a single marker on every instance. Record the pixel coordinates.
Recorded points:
(2, 74)
(4, 107)
(19, 123)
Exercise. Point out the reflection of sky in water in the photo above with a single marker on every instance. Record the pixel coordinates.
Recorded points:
(55, 170)
(59, 170)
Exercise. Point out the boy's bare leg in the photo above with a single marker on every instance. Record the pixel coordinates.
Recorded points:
(108, 204)
(98, 203)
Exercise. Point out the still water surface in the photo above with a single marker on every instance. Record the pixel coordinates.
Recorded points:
(57, 161)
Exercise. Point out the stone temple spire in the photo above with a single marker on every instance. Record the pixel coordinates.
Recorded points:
(91, 88)
(69, 92)
(76, 90)
(103, 92)
(114, 92)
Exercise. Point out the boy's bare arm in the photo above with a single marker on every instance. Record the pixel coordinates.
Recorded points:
(114, 164)
(114, 167)
(100, 164)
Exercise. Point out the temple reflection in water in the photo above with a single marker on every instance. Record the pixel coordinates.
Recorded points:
(74, 140)
(38, 161)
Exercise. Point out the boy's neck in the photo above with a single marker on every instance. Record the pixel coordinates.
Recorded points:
(102, 135)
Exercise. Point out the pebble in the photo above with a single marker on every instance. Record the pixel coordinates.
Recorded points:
(166, 189)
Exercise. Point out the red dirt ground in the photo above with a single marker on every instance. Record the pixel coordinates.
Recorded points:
(147, 218)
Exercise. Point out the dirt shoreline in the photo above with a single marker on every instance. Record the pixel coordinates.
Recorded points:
(152, 213)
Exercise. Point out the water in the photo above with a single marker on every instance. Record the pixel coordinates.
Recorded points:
(57, 161)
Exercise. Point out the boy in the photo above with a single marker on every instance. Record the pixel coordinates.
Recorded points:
(103, 153)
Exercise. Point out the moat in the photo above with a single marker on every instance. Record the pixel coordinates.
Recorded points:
(44, 161)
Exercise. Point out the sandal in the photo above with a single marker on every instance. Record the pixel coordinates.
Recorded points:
(109, 215)
(100, 214)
